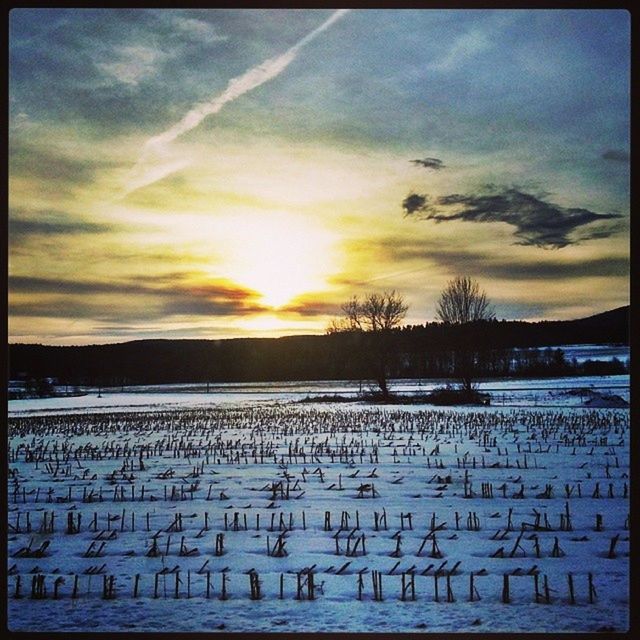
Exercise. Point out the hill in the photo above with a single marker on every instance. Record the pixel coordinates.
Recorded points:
(419, 351)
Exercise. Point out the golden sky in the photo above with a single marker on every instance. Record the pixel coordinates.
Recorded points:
(226, 173)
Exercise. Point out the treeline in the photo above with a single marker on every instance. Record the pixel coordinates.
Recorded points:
(501, 348)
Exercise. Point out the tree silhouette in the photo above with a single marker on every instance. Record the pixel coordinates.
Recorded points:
(375, 316)
(462, 303)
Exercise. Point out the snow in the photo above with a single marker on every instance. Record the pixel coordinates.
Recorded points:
(558, 442)
(505, 392)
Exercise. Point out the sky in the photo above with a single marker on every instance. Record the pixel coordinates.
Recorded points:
(220, 173)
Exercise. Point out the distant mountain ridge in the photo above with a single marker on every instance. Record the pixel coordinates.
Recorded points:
(157, 361)
(615, 317)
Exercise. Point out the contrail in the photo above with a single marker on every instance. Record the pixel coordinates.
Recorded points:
(156, 162)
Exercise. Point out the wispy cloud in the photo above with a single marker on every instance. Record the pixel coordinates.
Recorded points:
(52, 223)
(195, 29)
(502, 267)
(20, 121)
(157, 161)
(164, 295)
(131, 64)
(46, 162)
(466, 46)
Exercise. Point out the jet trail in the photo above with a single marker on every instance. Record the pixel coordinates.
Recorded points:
(156, 161)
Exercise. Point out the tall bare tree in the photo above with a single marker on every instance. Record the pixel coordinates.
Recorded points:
(376, 315)
(462, 302)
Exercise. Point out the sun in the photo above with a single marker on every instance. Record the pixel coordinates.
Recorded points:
(281, 256)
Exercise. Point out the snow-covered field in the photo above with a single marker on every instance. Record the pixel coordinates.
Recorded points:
(144, 486)
(549, 392)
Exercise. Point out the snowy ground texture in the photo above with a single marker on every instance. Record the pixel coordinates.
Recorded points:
(141, 493)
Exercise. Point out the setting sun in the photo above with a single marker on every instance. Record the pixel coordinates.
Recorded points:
(280, 256)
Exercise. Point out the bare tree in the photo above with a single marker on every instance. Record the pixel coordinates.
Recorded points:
(377, 312)
(376, 315)
(463, 302)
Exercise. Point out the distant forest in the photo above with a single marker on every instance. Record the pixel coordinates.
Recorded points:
(504, 348)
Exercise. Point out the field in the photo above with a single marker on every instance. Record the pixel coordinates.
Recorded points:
(263, 515)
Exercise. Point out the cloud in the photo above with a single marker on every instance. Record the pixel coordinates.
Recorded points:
(198, 30)
(157, 161)
(606, 267)
(54, 309)
(145, 297)
(132, 64)
(142, 331)
(20, 121)
(186, 304)
(30, 285)
(429, 163)
(312, 306)
(45, 163)
(502, 267)
(414, 202)
(616, 155)
(463, 48)
(49, 223)
(489, 267)
(536, 221)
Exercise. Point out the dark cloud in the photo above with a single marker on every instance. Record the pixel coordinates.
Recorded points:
(537, 222)
(46, 164)
(309, 306)
(55, 225)
(483, 265)
(414, 202)
(185, 304)
(27, 284)
(217, 298)
(596, 268)
(429, 163)
(144, 298)
(536, 270)
(616, 155)
(54, 309)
